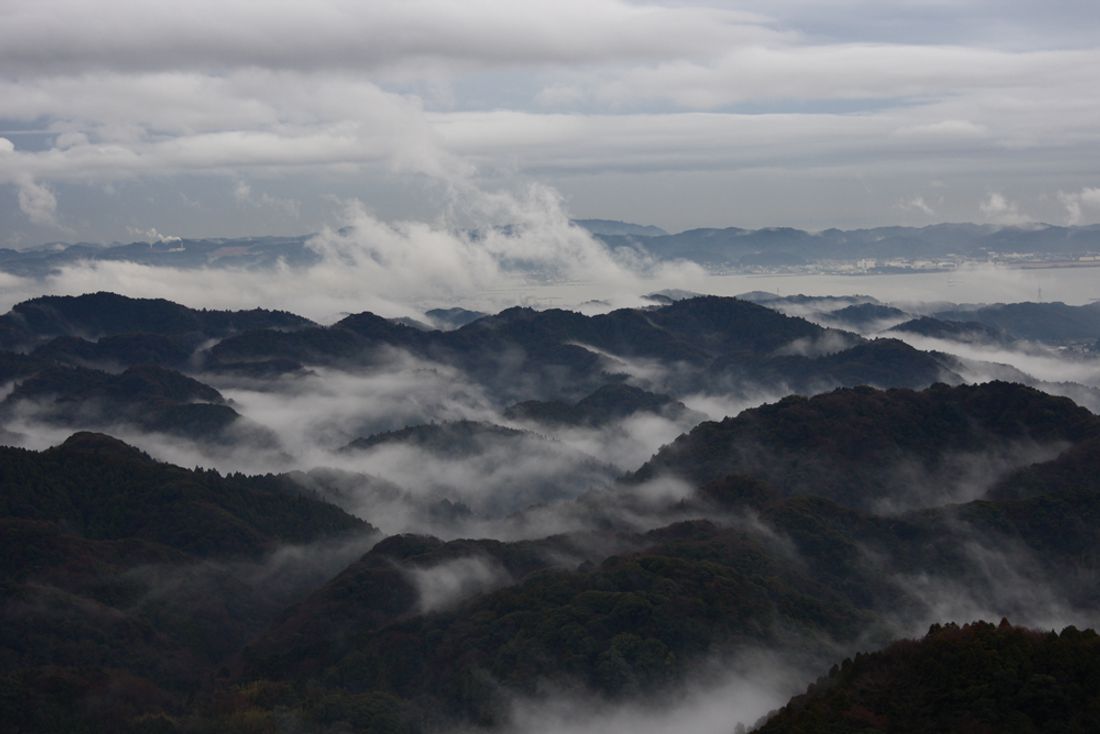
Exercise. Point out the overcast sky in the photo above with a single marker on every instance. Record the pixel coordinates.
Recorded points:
(124, 120)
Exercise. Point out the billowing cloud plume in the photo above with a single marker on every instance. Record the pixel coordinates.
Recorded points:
(918, 204)
(1078, 203)
(400, 268)
(38, 202)
(998, 210)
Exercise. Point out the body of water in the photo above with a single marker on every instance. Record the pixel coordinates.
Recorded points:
(971, 284)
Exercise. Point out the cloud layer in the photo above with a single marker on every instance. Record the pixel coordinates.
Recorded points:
(793, 112)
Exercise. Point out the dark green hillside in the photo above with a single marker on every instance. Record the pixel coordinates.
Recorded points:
(553, 470)
(964, 331)
(1078, 469)
(452, 438)
(126, 582)
(1045, 322)
(728, 325)
(604, 406)
(619, 613)
(629, 624)
(377, 591)
(861, 315)
(311, 345)
(147, 396)
(100, 488)
(378, 329)
(850, 444)
(17, 366)
(120, 350)
(976, 679)
(880, 363)
(95, 315)
(563, 355)
(452, 318)
(708, 342)
(643, 617)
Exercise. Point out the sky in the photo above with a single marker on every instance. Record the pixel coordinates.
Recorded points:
(126, 120)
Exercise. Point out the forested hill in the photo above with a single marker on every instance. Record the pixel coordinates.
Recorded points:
(103, 544)
(860, 446)
(534, 537)
(100, 488)
(980, 678)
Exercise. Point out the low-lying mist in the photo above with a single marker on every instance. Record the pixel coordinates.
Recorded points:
(721, 698)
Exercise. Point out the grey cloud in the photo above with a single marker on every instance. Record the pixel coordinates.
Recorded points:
(846, 71)
(1077, 203)
(306, 92)
(63, 36)
(38, 202)
(994, 23)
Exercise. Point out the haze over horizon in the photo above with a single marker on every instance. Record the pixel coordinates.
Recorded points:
(124, 121)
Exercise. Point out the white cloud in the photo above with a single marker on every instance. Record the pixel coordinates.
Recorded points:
(1076, 203)
(151, 235)
(945, 129)
(996, 209)
(917, 203)
(38, 202)
(243, 194)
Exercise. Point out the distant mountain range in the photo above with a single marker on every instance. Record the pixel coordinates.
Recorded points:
(98, 360)
(731, 247)
(611, 227)
(785, 246)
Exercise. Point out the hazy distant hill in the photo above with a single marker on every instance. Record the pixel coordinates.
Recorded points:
(1046, 322)
(861, 316)
(959, 331)
(606, 405)
(782, 246)
(251, 252)
(571, 354)
(715, 247)
(614, 227)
